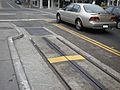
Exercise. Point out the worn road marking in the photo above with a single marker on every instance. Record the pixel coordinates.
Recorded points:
(49, 13)
(7, 20)
(7, 13)
(10, 5)
(0, 5)
(57, 59)
(65, 58)
(105, 47)
(50, 20)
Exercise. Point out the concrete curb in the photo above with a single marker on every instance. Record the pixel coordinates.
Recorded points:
(89, 57)
(21, 77)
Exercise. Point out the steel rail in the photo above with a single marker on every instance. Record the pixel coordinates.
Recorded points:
(94, 63)
(64, 83)
(95, 83)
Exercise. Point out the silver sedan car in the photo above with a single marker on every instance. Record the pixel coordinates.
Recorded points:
(86, 15)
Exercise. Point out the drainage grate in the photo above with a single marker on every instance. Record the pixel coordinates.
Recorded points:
(38, 31)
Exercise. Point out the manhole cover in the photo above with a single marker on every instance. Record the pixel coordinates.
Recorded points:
(38, 31)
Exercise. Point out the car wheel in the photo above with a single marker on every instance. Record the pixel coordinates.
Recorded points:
(78, 24)
(58, 17)
(118, 24)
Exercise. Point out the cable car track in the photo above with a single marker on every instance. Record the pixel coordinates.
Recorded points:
(94, 63)
(93, 82)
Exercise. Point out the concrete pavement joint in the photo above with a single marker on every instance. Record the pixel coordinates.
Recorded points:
(21, 77)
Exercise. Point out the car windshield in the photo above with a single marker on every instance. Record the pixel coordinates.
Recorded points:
(93, 9)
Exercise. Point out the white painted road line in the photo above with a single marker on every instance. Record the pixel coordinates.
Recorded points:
(10, 5)
(0, 5)
(8, 20)
(7, 13)
(49, 13)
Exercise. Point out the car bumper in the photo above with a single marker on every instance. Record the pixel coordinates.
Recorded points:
(104, 25)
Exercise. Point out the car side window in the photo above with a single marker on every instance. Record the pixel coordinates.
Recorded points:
(116, 11)
(76, 8)
(109, 10)
(69, 7)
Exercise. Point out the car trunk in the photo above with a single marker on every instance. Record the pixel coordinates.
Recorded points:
(103, 17)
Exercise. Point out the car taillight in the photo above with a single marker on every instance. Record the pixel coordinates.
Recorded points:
(113, 18)
(96, 19)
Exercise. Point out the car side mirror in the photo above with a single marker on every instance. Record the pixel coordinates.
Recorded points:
(64, 9)
(113, 14)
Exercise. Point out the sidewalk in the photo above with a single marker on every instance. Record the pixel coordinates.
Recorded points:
(7, 74)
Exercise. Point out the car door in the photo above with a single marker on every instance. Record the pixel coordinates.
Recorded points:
(75, 12)
(66, 13)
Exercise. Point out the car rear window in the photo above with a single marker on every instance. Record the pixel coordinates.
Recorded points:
(93, 9)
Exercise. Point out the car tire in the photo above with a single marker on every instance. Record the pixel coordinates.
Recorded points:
(58, 17)
(118, 24)
(78, 24)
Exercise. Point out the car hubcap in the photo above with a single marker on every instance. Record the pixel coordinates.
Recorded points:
(78, 25)
(118, 24)
(58, 18)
